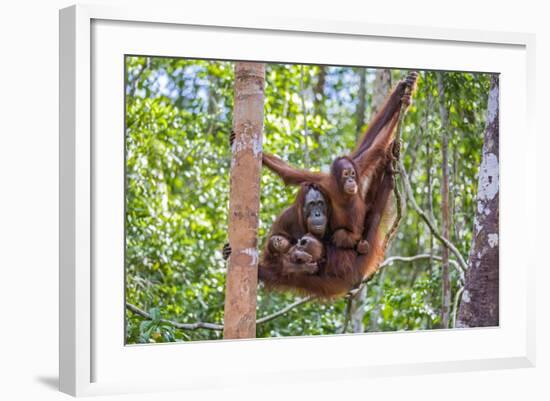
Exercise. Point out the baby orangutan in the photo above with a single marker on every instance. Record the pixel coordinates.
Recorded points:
(304, 257)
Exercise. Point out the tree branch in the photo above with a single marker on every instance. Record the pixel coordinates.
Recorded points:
(421, 256)
(455, 307)
(214, 326)
(177, 325)
(219, 327)
(392, 259)
(397, 142)
(347, 312)
(424, 216)
(397, 194)
(275, 315)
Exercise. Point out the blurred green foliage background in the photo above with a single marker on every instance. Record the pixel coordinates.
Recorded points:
(178, 120)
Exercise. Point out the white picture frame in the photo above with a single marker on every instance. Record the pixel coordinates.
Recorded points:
(95, 361)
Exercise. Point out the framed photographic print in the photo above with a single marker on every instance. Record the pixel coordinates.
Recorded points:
(254, 192)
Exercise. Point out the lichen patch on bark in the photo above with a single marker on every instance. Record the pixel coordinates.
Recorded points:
(253, 254)
(488, 177)
(492, 108)
(492, 239)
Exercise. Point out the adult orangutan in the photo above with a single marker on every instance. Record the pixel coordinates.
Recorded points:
(307, 217)
(348, 182)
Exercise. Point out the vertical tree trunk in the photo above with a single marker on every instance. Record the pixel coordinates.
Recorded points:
(480, 302)
(381, 89)
(430, 196)
(318, 98)
(429, 173)
(304, 116)
(362, 101)
(445, 278)
(212, 103)
(455, 224)
(357, 311)
(375, 314)
(244, 201)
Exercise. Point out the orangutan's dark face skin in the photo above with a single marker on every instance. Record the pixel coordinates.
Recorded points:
(315, 213)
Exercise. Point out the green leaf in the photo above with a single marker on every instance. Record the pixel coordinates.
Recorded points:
(155, 314)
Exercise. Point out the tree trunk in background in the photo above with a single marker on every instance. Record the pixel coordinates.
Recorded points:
(375, 314)
(244, 201)
(445, 278)
(212, 103)
(358, 310)
(455, 225)
(362, 101)
(480, 301)
(429, 159)
(381, 89)
(305, 132)
(429, 173)
(318, 97)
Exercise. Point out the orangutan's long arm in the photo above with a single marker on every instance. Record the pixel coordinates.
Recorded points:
(376, 156)
(374, 233)
(290, 175)
(388, 111)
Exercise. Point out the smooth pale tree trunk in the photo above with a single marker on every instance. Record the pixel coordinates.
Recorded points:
(375, 314)
(358, 310)
(244, 201)
(318, 96)
(381, 89)
(362, 102)
(480, 301)
(305, 131)
(445, 274)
